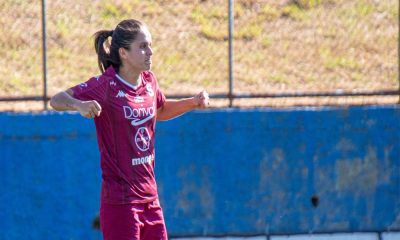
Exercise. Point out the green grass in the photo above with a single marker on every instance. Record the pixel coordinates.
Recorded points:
(332, 61)
(279, 45)
(294, 12)
(110, 11)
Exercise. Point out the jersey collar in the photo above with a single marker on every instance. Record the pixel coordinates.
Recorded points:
(128, 83)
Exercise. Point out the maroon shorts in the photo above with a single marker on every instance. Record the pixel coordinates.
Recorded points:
(137, 221)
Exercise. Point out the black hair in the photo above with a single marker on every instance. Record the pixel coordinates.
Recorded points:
(121, 37)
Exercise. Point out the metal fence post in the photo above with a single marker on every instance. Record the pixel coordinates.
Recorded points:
(44, 54)
(230, 95)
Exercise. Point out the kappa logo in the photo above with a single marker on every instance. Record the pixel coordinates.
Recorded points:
(113, 83)
(120, 94)
(149, 90)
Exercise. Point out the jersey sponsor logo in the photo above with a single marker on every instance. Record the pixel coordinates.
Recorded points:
(143, 160)
(149, 90)
(139, 115)
(113, 83)
(142, 139)
(138, 99)
(120, 94)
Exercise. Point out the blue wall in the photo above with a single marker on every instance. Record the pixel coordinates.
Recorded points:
(219, 172)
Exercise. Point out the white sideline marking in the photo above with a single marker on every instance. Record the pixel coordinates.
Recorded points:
(224, 238)
(391, 236)
(335, 236)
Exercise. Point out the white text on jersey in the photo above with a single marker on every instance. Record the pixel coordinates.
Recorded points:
(138, 115)
(143, 160)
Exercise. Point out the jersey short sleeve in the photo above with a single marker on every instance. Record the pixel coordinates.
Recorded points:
(160, 98)
(92, 89)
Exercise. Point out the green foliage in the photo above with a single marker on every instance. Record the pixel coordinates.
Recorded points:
(198, 16)
(358, 10)
(307, 4)
(209, 22)
(173, 58)
(151, 8)
(210, 31)
(269, 12)
(294, 12)
(332, 61)
(266, 42)
(110, 11)
(62, 28)
(332, 40)
(364, 9)
(278, 78)
(238, 10)
(356, 76)
(217, 12)
(124, 9)
(249, 32)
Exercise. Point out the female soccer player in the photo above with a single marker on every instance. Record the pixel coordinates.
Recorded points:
(125, 102)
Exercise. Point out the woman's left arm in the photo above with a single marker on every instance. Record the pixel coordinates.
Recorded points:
(175, 108)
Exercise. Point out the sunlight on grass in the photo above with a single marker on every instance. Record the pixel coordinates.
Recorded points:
(249, 32)
(358, 10)
(210, 22)
(279, 78)
(294, 12)
(62, 28)
(364, 9)
(332, 61)
(306, 4)
(210, 31)
(270, 12)
(266, 42)
(278, 45)
(110, 11)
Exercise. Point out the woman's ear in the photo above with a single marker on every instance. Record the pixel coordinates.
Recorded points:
(122, 53)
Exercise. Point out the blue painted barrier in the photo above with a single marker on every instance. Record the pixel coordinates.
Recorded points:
(49, 177)
(219, 172)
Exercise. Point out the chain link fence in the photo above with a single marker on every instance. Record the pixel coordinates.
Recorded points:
(285, 52)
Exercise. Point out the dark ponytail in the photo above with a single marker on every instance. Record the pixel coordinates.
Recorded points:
(103, 50)
(123, 35)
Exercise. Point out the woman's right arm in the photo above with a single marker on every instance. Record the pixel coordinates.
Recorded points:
(64, 101)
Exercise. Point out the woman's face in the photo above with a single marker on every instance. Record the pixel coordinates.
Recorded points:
(138, 57)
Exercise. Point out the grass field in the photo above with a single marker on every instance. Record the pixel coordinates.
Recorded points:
(279, 46)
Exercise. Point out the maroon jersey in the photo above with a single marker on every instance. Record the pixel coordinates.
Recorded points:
(125, 133)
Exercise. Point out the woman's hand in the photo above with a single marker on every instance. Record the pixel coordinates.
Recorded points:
(174, 108)
(202, 100)
(88, 109)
